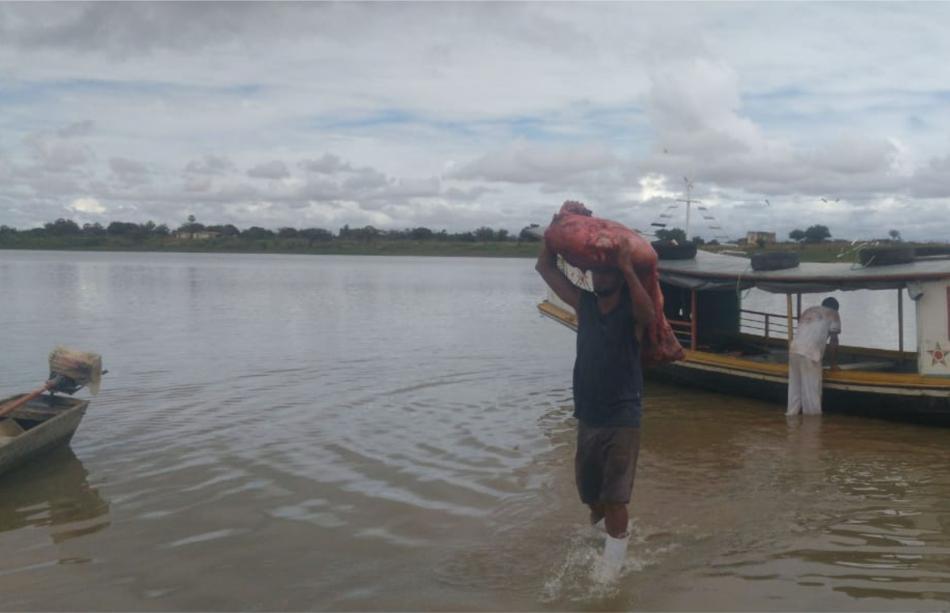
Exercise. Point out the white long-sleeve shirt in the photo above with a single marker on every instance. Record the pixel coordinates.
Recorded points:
(814, 326)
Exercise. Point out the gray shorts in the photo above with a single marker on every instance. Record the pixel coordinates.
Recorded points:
(605, 463)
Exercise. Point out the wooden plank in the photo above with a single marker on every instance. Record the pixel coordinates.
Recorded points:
(885, 379)
(870, 351)
(878, 365)
(565, 317)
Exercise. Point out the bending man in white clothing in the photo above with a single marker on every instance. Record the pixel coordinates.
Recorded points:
(805, 355)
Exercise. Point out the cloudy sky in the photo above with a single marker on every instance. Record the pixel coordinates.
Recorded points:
(460, 115)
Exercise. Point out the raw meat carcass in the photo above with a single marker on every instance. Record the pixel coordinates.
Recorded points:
(588, 242)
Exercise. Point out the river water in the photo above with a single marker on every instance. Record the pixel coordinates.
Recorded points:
(361, 433)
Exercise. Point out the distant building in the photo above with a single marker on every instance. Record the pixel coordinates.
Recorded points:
(201, 235)
(753, 238)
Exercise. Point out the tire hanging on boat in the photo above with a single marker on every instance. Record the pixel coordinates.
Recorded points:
(669, 250)
(886, 255)
(774, 260)
(589, 242)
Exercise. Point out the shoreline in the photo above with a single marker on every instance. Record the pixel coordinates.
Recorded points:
(487, 250)
(818, 252)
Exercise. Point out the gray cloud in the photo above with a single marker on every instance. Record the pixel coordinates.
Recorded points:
(403, 189)
(524, 162)
(932, 180)
(211, 165)
(469, 194)
(701, 132)
(365, 179)
(55, 154)
(321, 190)
(129, 172)
(269, 170)
(143, 27)
(327, 164)
(200, 183)
(80, 128)
(489, 114)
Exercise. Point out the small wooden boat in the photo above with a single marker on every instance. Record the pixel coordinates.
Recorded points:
(42, 424)
(745, 352)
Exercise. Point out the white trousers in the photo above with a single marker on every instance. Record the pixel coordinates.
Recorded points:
(804, 385)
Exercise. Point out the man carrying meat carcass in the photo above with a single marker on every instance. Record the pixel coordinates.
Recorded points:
(608, 387)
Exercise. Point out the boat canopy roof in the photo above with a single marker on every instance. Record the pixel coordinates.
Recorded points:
(713, 271)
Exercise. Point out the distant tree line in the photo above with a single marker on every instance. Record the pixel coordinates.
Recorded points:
(64, 228)
(679, 235)
(139, 231)
(813, 234)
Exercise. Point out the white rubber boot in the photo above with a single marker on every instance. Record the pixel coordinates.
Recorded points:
(609, 566)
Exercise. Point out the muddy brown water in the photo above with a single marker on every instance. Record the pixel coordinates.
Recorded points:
(359, 433)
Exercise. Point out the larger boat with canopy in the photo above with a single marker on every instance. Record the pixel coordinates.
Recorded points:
(743, 351)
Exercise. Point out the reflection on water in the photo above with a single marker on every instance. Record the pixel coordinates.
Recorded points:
(340, 433)
(52, 494)
(43, 506)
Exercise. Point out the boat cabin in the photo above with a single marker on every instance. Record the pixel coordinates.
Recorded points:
(711, 286)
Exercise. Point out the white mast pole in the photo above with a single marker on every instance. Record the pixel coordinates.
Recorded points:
(688, 201)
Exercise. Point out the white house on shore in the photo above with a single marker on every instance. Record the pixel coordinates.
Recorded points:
(753, 237)
(197, 236)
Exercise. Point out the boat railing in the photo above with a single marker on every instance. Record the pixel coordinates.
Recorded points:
(683, 330)
(763, 323)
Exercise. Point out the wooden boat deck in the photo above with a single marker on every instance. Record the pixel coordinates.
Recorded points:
(866, 367)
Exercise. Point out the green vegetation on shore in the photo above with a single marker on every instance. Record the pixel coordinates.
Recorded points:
(66, 235)
(277, 245)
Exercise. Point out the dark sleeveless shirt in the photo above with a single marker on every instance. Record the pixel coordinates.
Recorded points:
(608, 380)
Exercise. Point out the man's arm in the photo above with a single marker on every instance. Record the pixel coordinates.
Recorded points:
(557, 280)
(640, 301)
